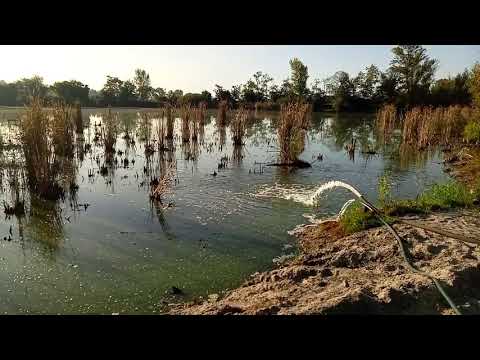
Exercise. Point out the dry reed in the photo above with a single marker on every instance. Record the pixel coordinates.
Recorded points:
(386, 122)
(294, 121)
(238, 126)
(109, 131)
(185, 113)
(427, 126)
(222, 113)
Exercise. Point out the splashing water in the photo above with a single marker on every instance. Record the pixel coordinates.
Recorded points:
(305, 196)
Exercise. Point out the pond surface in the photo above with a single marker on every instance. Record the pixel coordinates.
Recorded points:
(122, 253)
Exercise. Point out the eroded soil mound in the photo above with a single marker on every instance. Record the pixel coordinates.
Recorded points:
(363, 273)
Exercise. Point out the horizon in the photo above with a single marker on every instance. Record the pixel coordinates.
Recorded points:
(201, 67)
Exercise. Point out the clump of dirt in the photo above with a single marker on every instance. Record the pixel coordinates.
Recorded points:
(363, 273)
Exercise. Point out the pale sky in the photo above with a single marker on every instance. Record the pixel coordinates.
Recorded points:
(196, 68)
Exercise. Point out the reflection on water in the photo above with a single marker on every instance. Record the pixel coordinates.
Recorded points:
(107, 248)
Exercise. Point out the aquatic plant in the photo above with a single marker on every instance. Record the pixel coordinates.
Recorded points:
(61, 128)
(78, 118)
(222, 113)
(294, 123)
(385, 121)
(185, 113)
(170, 122)
(160, 134)
(109, 131)
(427, 126)
(238, 126)
(40, 158)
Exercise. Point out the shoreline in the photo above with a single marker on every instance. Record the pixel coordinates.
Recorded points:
(363, 273)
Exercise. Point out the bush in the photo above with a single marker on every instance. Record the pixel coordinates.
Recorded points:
(357, 218)
(472, 131)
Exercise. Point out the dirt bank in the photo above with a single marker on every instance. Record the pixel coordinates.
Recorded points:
(363, 273)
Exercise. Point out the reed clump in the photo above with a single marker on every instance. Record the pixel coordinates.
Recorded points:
(222, 113)
(41, 163)
(78, 118)
(170, 122)
(62, 129)
(185, 114)
(109, 131)
(386, 121)
(238, 126)
(294, 122)
(161, 134)
(427, 126)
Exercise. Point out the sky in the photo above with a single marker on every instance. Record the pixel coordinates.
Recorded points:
(196, 68)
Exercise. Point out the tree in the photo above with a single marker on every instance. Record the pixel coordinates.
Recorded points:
(111, 90)
(474, 85)
(342, 89)
(236, 93)
(367, 82)
(222, 94)
(299, 78)
(451, 91)
(8, 94)
(318, 96)
(143, 84)
(387, 91)
(261, 85)
(30, 88)
(126, 95)
(415, 71)
(159, 95)
(175, 97)
(71, 91)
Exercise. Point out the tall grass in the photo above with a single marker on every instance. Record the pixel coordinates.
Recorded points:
(161, 133)
(38, 148)
(170, 122)
(109, 131)
(222, 113)
(294, 122)
(238, 126)
(386, 121)
(185, 113)
(78, 118)
(427, 126)
(62, 130)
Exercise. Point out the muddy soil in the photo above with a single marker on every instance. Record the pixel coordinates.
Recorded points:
(363, 273)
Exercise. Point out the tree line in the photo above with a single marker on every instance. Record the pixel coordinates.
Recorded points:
(408, 81)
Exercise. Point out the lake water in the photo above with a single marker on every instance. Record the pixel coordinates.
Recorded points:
(123, 253)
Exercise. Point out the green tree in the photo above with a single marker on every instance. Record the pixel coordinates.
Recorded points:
(71, 91)
(111, 90)
(8, 94)
(30, 88)
(143, 85)
(367, 83)
(342, 89)
(415, 71)
(126, 95)
(318, 96)
(451, 91)
(299, 77)
(387, 91)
